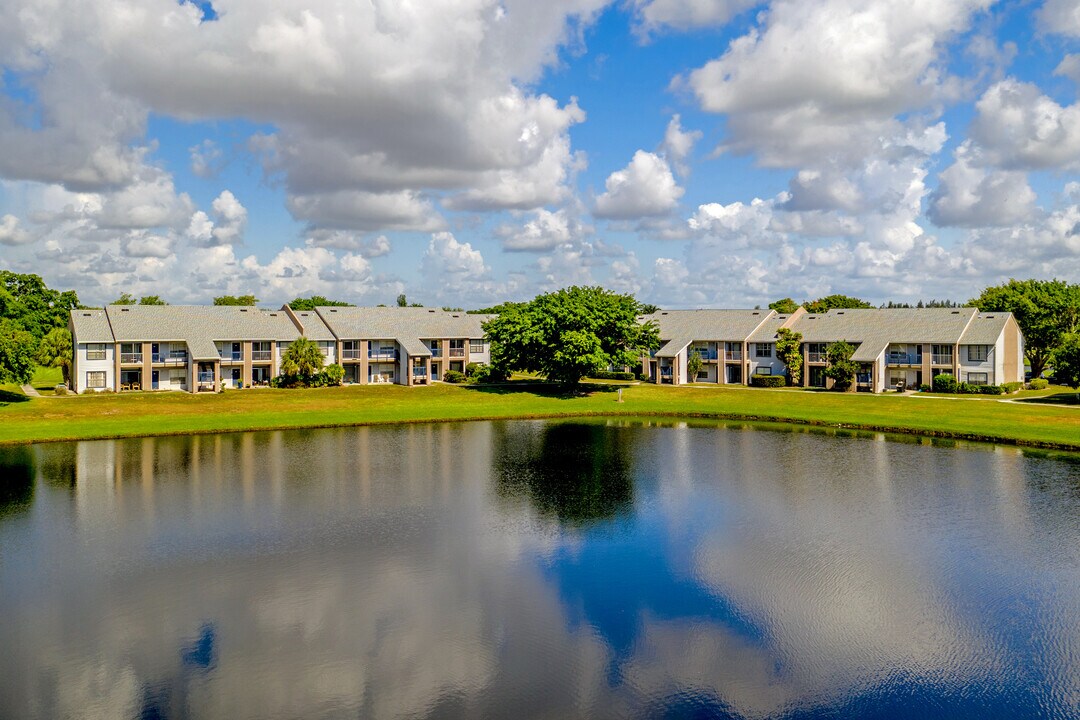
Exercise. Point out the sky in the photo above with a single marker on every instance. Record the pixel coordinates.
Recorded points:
(696, 153)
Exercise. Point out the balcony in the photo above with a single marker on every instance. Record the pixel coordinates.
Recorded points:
(130, 358)
(733, 354)
(260, 356)
(206, 377)
(900, 358)
(436, 352)
(347, 354)
(705, 353)
(174, 357)
(942, 359)
(383, 354)
(457, 352)
(816, 357)
(232, 355)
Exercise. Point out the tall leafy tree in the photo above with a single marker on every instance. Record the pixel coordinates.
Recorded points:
(152, 300)
(316, 301)
(567, 334)
(841, 368)
(835, 302)
(1045, 310)
(54, 350)
(17, 348)
(244, 300)
(1066, 360)
(29, 303)
(125, 299)
(784, 306)
(693, 365)
(789, 352)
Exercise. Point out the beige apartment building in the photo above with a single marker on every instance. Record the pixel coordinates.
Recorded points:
(894, 347)
(198, 348)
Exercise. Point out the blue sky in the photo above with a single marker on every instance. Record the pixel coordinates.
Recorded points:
(698, 153)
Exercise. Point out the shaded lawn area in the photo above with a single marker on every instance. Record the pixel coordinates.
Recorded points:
(132, 414)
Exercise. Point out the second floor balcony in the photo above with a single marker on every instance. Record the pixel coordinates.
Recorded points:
(457, 352)
(705, 353)
(903, 358)
(733, 354)
(130, 358)
(173, 357)
(816, 357)
(260, 356)
(941, 359)
(232, 355)
(436, 352)
(382, 354)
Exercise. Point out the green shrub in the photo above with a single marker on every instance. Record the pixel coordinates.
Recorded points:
(453, 376)
(944, 383)
(925, 388)
(768, 381)
(1039, 384)
(471, 368)
(991, 389)
(61, 390)
(1012, 387)
(487, 374)
(606, 375)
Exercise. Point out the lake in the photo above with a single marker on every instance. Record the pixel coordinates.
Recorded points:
(539, 569)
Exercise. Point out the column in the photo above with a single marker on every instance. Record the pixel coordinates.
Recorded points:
(927, 368)
(363, 345)
(245, 377)
(116, 367)
(805, 365)
(745, 363)
(217, 375)
(147, 366)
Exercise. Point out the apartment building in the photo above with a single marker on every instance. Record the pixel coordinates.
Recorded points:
(718, 336)
(893, 347)
(407, 346)
(184, 347)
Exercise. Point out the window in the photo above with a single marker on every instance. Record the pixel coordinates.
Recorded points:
(977, 353)
(977, 378)
(95, 351)
(703, 375)
(95, 379)
(763, 370)
(324, 347)
(763, 350)
(476, 346)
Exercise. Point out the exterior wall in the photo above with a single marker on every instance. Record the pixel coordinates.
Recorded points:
(480, 357)
(988, 366)
(773, 364)
(81, 366)
(1013, 353)
(329, 348)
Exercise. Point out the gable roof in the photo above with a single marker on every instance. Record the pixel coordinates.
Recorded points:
(985, 329)
(91, 326)
(714, 325)
(383, 323)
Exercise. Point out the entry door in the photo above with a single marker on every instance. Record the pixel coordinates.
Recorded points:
(236, 376)
(734, 374)
(154, 376)
(236, 351)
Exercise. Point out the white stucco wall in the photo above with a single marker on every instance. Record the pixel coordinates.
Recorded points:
(84, 366)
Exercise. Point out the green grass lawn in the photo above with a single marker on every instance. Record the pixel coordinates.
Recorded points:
(131, 414)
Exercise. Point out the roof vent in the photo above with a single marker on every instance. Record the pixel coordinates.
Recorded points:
(757, 313)
(273, 314)
(243, 309)
(989, 317)
(955, 312)
(457, 316)
(431, 311)
(332, 310)
(123, 309)
(86, 314)
(663, 313)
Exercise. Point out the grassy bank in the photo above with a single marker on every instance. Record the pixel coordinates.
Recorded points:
(86, 417)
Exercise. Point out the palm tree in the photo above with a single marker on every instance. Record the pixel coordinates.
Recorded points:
(54, 350)
(302, 359)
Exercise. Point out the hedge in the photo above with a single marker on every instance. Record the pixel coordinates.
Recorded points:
(453, 376)
(605, 375)
(1039, 384)
(768, 381)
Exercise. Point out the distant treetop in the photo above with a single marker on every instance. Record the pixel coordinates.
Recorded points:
(246, 300)
(316, 301)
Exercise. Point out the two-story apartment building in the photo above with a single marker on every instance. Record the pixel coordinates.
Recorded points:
(407, 346)
(894, 347)
(184, 347)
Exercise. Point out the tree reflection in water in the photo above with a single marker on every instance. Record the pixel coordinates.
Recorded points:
(16, 480)
(575, 473)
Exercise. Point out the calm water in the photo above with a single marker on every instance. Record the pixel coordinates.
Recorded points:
(538, 569)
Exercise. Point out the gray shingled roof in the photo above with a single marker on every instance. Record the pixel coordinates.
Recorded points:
(91, 326)
(985, 329)
(314, 327)
(673, 347)
(712, 325)
(199, 325)
(898, 325)
(766, 332)
(384, 323)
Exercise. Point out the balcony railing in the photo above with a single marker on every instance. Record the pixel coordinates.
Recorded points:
(173, 357)
(130, 357)
(232, 355)
(816, 357)
(733, 354)
(260, 356)
(350, 354)
(899, 358)
(705, 353)
(942, 359)
(206, 377)
(383, 354)
(457, 352)
(436, 352)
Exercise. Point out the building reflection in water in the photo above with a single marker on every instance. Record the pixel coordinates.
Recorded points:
(529, 569)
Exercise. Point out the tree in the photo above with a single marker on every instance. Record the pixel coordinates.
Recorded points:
(648, 309)
(316, 301)
(785, 306)
(1045, 310)
(401, 301)
(30, 304)
(835, 302)
(567, 334)
(125, 299)
(17, 347)
(693, 365)
(497, 309)
(789, 352)
(54, 350)
(302, 360)
(1066, 361)
(152, 300)
(245, 300)
(841, 368)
